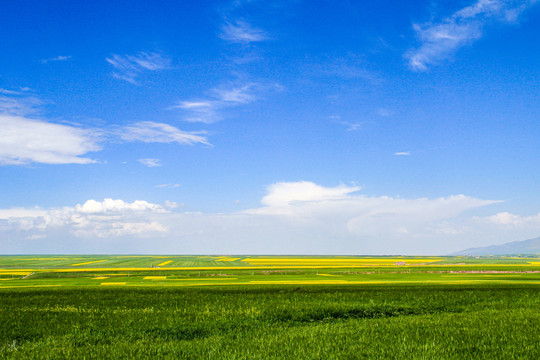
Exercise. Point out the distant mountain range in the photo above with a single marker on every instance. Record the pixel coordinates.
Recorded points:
(531, 246)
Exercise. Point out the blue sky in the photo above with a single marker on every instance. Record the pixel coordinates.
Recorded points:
(265, 127)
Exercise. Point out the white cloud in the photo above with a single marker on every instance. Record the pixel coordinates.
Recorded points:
(26, 141)
(287, 193)
(294, 217)
(110, 205)
(107, 218)
(129, 67)
(152, 132)
(235, 95)
(402, 153)
(510, 220)
(168, 186)
(350, 126)
(200, 111)
(57, 58)
(150, 162)
(208, 110)
(440, 40)
(242, 32)
(9, 92)
(27, 138)
(18, 103)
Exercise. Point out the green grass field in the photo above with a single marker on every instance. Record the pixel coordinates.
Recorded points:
(239, 307)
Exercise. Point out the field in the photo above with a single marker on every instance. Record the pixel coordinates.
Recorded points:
(287, 307)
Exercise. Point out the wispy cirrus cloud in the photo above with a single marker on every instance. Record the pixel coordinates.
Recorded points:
(19, 102)
(240, 31)
(55, 59)
(168, 186)
(350, 126)
(440, 40)
(150, 162)
(152, 132)
(130, 67)
(209, 110)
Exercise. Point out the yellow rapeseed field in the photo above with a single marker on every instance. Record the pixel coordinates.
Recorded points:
(299, 282)
(88, 263)
(165, 263)
(114, 283)
(16, 272)
(339, 261)
(154, 278)
(45, 259)
(206, 279)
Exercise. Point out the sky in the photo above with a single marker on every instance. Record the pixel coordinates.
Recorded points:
(268, 127)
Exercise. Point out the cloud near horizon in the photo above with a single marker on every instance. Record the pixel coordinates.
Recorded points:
(107, 218)
(295, 217)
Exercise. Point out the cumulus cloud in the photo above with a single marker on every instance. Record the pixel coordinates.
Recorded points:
(152, 132)
(130, 67)
(294, 217)
(27, 140)
(242, 32)
(440, 40)
(287, 193)
(110, 205)
(510, 220)
(107, 218)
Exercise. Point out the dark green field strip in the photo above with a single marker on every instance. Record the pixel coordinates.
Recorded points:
(482, 322)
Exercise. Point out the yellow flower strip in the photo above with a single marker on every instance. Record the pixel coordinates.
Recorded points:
(323, 261)
(16, 272)
(88, 263)
(280, 267)
(114, 283)
(165, 263)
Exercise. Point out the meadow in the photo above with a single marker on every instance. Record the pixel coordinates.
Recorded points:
(238, 307)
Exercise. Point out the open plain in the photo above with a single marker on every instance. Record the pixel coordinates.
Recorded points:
(269, 307)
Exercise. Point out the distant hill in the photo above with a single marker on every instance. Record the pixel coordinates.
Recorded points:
(531, 246)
